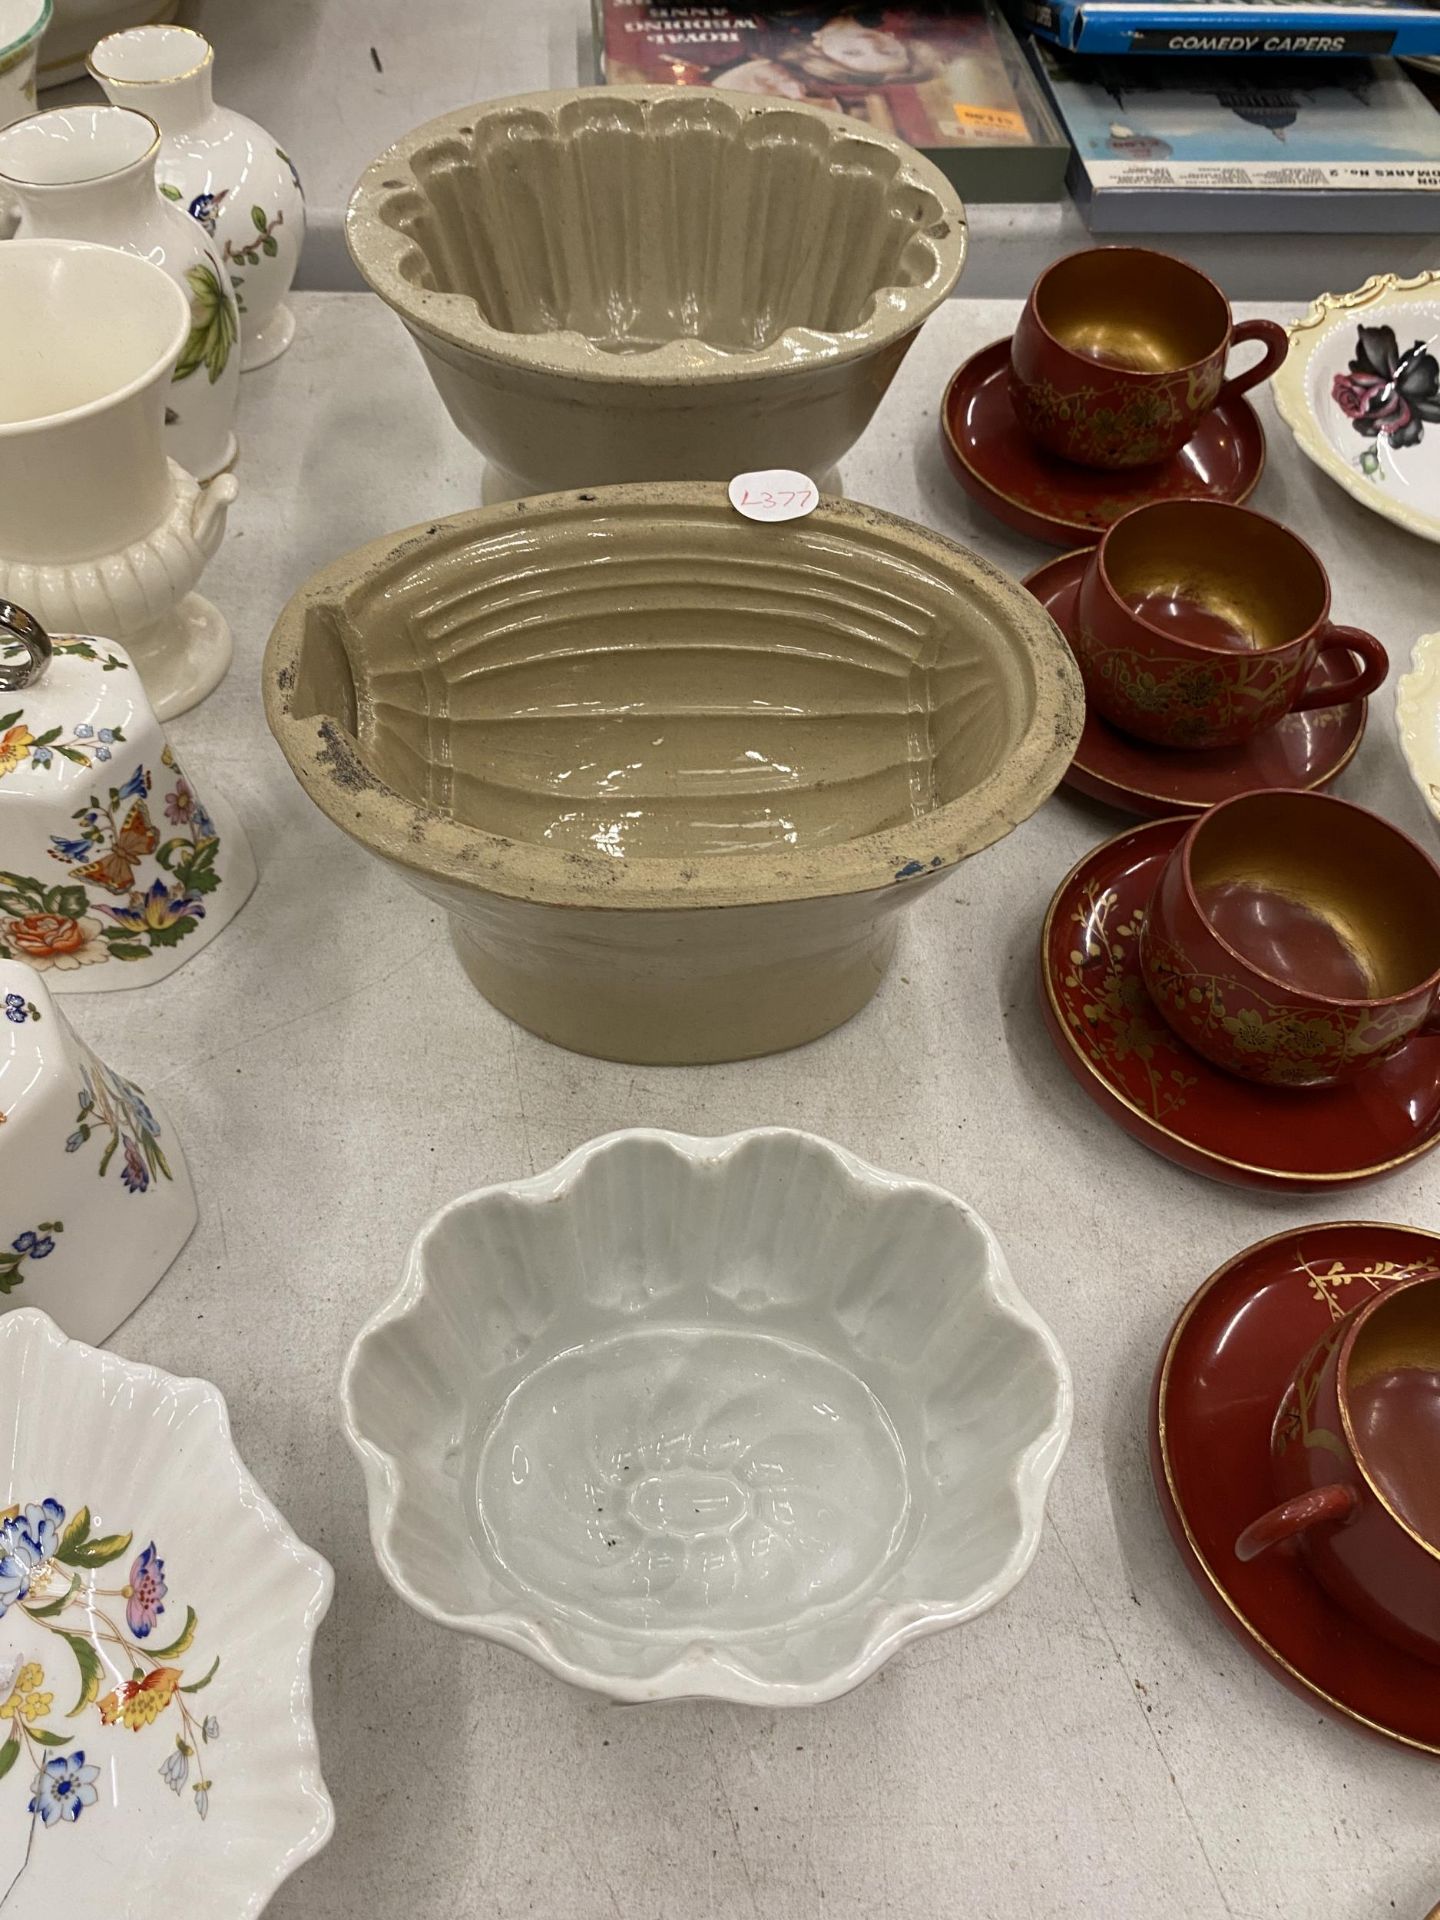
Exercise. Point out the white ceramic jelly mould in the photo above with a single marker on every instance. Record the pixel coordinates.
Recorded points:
(734, 1418)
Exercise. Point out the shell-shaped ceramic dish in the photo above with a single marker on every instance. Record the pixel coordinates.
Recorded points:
(1417, 718)
(1360, 390)
(554, 714)
(733, 1418)
(157, 1754)
(656, 283)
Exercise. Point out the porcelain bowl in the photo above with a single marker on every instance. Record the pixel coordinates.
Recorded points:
(731, 1418)
(671, 773)
(656, 283)
(156, 1621)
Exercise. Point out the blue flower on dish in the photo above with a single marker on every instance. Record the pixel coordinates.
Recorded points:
(137, 786)
(145, 1593)
(176, 1770)
(37, 1245)
(84, 731)
(64, 1788)
(71, 849)
(158, 910)
(27, 1540)
(17, 1008)
(134, 1175)
(74, 1143)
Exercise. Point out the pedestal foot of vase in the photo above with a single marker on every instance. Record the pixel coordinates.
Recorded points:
(184, 656)
(259, 349)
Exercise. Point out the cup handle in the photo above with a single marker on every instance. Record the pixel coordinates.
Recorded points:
(1364, 679)
(1336, 1502)
(1276, 342)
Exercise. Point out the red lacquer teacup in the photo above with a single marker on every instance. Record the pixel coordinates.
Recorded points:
(1294, 939)
(1120, 351)
(1199, 624)
(1355, 1456)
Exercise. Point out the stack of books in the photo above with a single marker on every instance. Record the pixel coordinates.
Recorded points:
(1185, 116)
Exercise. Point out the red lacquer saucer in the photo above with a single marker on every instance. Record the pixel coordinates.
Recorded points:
(998, 464)
(1217, 1388)
(1302, 750)
(1115, 1043)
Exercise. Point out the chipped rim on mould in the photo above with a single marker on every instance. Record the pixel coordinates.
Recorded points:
(436, 845)
(378, 250)
(1291, 380)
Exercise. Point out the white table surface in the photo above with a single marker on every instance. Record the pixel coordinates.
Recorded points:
(1097, 1745)
(336, 81)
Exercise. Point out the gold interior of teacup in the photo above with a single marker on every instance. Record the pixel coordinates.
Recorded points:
(1128, 307)
(1391, 1388)
(1264, 587)
(1319, 896)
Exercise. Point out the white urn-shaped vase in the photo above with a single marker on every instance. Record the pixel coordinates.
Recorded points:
(225, 170)
(100, 532)
(88, 173)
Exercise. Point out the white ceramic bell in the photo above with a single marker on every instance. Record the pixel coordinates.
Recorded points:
(22, 22)
(95, 1197)
(226, 171)
(114, 868)
(88, 173)
(99, 532)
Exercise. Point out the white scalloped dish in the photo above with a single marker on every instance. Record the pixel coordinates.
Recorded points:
(1360, 390)
(157, 1754)
(1417, 717)
(730, 1418)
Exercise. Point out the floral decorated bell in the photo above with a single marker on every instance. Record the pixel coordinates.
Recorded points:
(95, 1199)
(113, 868)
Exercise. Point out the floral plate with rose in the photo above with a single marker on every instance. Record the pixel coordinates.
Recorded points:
(1360, 390)
(157, 1753)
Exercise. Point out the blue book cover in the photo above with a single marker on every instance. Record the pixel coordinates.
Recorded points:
(1273, 29)
(1229, 145)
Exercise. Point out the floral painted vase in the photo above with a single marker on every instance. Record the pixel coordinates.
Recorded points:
(95, 1199)
(114, 870)
(88, 173)
(222, 168)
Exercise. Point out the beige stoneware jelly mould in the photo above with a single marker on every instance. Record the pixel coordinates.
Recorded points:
(672, 774)
(732, 1418)
(655, 283)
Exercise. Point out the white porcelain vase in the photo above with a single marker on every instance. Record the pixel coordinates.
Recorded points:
(95, 1199)
(22, 22)
(78, 24)
(88, 173)
(115, 868)
(225, 170)
(99, 532)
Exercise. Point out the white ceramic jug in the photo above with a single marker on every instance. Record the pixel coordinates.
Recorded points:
(100, 532)
(224, 170)
(88, 173)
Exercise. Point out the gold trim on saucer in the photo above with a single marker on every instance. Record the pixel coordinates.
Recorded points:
(1162, 1385)
(1074, 526)
(1286, 1178)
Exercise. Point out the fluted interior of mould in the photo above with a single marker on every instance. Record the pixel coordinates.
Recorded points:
(672, 685)
(634, 223)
